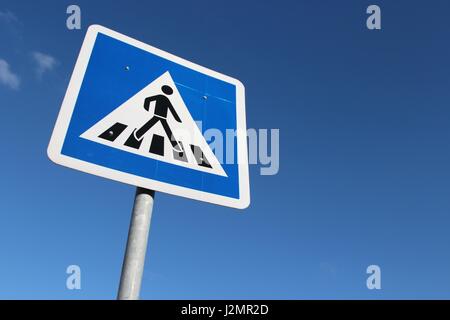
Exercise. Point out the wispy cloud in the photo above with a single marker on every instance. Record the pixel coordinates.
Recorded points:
(10, 26)
(7, 77)
(44, 62)
(8, 17)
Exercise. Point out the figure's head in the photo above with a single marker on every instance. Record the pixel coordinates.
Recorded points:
(167, 90)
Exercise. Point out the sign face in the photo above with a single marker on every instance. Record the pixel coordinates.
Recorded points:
(139, 115)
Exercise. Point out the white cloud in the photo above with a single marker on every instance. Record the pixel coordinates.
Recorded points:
(10, 26)
(8, 17)
(7, 77)
(44, 62)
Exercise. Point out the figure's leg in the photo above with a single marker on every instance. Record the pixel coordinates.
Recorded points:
(175, 145)
(147, 126)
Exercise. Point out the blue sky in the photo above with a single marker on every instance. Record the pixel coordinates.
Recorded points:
(364, 154)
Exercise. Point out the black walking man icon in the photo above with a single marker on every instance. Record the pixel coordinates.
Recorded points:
(162, 106)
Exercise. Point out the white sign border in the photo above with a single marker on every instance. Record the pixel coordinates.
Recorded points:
(62, 123)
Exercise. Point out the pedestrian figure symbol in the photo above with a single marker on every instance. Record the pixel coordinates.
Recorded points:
(148, 124)
(162, 106)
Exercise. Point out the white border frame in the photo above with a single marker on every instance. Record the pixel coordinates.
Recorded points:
(62, 123)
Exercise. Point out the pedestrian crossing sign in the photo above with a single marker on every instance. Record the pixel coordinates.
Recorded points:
(139, 115)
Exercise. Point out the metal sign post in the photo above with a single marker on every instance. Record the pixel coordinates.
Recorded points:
(133, 263)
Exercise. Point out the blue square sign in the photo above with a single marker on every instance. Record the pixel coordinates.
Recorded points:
(139, 115)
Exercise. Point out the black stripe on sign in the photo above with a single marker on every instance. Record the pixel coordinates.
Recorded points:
(157, 146)
(181, 156)
(133, 142)
(112, 133)
(200, 157)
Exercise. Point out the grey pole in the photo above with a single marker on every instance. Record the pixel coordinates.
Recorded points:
(133, 263)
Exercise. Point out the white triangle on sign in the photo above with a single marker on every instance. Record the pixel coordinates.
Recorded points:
(120, 129)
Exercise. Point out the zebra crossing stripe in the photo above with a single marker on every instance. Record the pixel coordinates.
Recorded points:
(112, 133)
(200, 157)
(181, 156)
(157, 146)
(133, 142)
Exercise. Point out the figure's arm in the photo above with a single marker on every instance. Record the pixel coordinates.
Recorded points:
(174, 113)
(147, 102)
